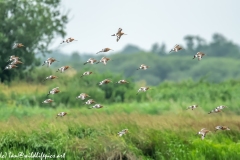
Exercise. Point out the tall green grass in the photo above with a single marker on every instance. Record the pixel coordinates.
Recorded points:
(94, 136)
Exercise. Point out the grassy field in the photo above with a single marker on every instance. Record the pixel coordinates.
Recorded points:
(159, 125)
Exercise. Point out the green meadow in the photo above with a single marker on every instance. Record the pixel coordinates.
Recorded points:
(159, 125)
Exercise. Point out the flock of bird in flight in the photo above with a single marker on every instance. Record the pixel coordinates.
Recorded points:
(14, 60)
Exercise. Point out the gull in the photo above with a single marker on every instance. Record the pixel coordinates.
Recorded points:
(18, 45)
(122, 81)
(68, 40)
(192, 107)
(119, 34)
(176, 48)
(124, 131)
(104, 50)
(143, 66)
(61, 114)
(221, 128)
(50, 77)
(199, 55)
(48, 101)
(105, 81)
(91, 61)
(203, 132)
(143, 89)
(97, 106)
(90, 101)
(63, 68)
(10, 66)
(104, 60)
(54, 91)
(83, 96)
(86, 73)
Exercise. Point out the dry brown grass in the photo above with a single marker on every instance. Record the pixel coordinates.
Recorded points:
(193, 121)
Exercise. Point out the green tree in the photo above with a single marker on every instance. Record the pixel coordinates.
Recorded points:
(32, 23)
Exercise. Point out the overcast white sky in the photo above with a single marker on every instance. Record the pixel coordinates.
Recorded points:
(146, 22)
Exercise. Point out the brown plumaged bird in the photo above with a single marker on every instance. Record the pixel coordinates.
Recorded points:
(16, 62)
(221, 128)
(63, 68)
(50, 77)
(124, 131)
(203, 132)
(122, 81)
(199, 55)
(143, 89)
(54, 91)
(18, 45)
(48, 101)
(82, 96)
(90, 101)
(104, 50)
(104, 60)
(119, 34)
(61, 114)
(91, 61)
(87, 73)
(176, 48)
(192, 107)
(105, 81)
(10, 66)
(49, 61)
(143, 66)
(97, 106)
(68, 40)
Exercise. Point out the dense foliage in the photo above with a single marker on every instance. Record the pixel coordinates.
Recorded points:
(32, 23)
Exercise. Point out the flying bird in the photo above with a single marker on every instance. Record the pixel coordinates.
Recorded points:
(13, 58)
(18, 45)
(50, 77)
(54, 91)
(221, 128)
(203, 132)
(47, 101)
(124, 131)
(97, 106)
(105, 81)
(217, 109)
(104, 60)
(122, 81)
(199, 55)
(16, 62)
(68, 40)
(221, 107)
(63, 68)
(176, 48)
(143, 66)
(61, 114)
(104, 50)
(10, 66)
(49, 61)
(90, 101)
(119, 34)
(86, 73)
(143, 89)
(91, 61)
(82, 96)
(192, 107)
